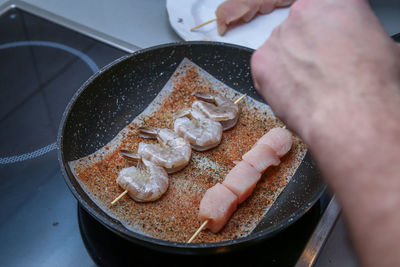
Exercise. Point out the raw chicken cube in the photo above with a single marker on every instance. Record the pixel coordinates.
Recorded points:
(261, 157)
(217, 206)
(278, 139)
(242, 180)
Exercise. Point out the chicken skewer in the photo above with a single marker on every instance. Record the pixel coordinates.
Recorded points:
(212, 218)
(198, 231)
(241, 180)
(202, 24)
(233, 12)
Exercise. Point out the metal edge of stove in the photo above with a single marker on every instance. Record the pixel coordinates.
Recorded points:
(331, 214)
(320, 235)
(92, 33)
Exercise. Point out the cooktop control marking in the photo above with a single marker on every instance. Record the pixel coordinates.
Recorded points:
(92, 65)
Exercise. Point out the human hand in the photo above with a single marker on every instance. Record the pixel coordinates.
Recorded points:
(329, 59)
(332, 74)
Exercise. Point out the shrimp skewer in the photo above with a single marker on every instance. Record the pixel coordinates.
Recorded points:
(217, 108)
(144, 182)
(201, 132)
(173, 152)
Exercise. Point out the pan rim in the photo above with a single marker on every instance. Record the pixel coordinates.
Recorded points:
(119, 229)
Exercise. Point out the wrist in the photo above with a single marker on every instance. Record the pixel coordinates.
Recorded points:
(356, 143)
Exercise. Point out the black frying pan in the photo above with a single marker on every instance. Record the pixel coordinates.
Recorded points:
(110, 99)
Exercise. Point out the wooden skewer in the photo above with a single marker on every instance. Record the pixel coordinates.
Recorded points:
(201, 25)
(240, 98)
(198, 231)
(206, 221)
(119, 197)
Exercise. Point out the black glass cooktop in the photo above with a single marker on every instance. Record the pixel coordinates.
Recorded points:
(284, 249)
(42, 65)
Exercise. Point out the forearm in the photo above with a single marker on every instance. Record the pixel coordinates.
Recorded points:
(358, 151)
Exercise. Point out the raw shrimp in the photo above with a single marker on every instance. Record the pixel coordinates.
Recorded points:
(217, 108)
(201, 132)
(144, 182)
(173, 152)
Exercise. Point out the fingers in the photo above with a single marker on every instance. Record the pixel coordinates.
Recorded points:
(267, 74)
(283, 3)
(260, 61)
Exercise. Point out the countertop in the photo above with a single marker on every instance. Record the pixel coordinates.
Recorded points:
(144, 23)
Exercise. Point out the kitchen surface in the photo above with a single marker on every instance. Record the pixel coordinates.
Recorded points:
(39, 210)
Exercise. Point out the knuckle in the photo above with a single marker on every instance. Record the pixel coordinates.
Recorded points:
(275, 33)
(296, 10)
(257, 61)
(259, 68)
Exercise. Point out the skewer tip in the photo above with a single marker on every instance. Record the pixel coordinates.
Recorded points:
(240, 98)
(198, 231)
(119, 197)
(203, 24)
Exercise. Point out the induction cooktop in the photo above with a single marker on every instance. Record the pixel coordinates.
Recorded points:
(42, 65)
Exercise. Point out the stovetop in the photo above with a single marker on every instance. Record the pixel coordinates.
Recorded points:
(42, 65)
(284, 249)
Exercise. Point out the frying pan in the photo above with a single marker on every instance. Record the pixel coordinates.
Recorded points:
(113, 97)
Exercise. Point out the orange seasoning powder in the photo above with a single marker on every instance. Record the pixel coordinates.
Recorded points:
(173, 217)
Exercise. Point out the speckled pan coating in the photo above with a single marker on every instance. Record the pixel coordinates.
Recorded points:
(111, 98)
